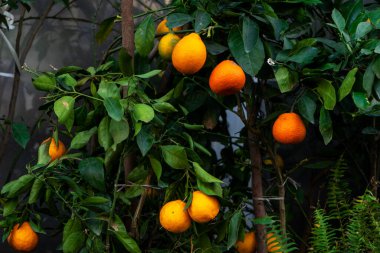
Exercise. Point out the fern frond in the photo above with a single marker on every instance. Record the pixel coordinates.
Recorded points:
(323, 235)
(276, 241)
(338, 194)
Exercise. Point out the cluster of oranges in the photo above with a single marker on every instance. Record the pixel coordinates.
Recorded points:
(176, 219)
(249, 244)
(189, 55)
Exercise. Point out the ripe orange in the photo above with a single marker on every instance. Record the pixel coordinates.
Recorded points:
(23, 238)
(203, 208)
(189, 55)
(166, 45)
(272, 243)
(55, 151)
(248, 245)
(162, 28)
(174, 217)
(227, 78)
(289, 129)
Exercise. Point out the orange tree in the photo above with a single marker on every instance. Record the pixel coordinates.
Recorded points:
(139, 129)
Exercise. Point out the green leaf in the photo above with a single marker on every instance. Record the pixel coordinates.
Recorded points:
(164, 107)
(347, 84)
(250, 62)
(74, 242)
(339, 20)
(149, 74)
(210, 188)
(156, 166)
(105, 28)
(67, 79)
(214, 48)
(327, 91)
(121, 234)
(44, 83)
(43, 154)
(233, 229)
(175, 156)
(20, 134)
(144, 36)
(95, 200)
(307, 108)
(362, 29)
(376, 67)
(325, 125)
(368, 80)
(114, 108)
(361, 100)
(145, 141)
(73, 225)
(64, 109)
(204, 176)
(143, 112)
(178, 19)
(16, 187)
(304, 56)
(91, 170)
(286, 79)
(82, 138)
(104, 135)
(119, 131)
(35, 191)
(108, 90)
(250, 33)
(202, 20)
(9, 207)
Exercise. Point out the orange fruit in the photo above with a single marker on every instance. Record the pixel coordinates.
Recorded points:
(23, 238)
(189, 55)
(55, 151)
(272, 243)
(248, 245)
(162, 28)
(227, 78)
(289, 129)
(174, 217)
(166, 45)
(203, 207)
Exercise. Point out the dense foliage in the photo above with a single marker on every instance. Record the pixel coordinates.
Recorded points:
(139, 136)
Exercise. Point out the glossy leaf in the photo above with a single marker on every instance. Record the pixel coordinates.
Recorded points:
(307, 108)
(82, 138)
(233, 229)
(202, 20)
(204, 176)
(143, 112)
(286, 79)
(104, 135)
(368, 80)
(325, 125)
(16, 187)
(67, 79)
(250, 62)
(210, 188)
(339, 20)
(156, 166)
(178, 19)
(121, 234)
(362, 29)
(20, 134)
(119, 131)
(64, 109)
(145, 141)
(35, 191)
(164, 107)
(361, 100)
(327, 91)
(144, 36)
(347, 84)
(250, 33)
(74, 242)
(91, 170)
(114, 108)
(149, 74)
(105, 28)
(175, 156)
(108, 90)
(44, 83)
